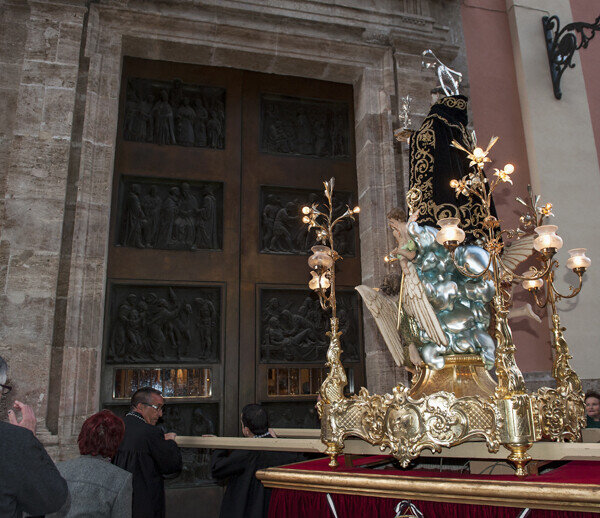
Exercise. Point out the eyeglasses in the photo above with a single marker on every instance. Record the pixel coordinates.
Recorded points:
(5, 389)
(158, 408)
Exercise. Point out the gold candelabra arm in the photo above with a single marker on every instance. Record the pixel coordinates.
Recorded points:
(348, 214)
(532, 275)
(566, 378)
(323, 299)
(322, 264)
(573, 291)
(332, 389)
(561, 410)
(540, 303)
(550, 294)
(465, 272)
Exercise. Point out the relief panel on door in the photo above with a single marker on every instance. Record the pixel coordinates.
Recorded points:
(304, 127)
(169, 214)
(150, 324)
(174, 113)
(293, 326)
(282, 230)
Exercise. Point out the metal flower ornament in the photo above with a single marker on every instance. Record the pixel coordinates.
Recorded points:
(322, 262)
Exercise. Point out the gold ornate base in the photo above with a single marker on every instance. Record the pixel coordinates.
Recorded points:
(462, 375)
(407, 426)
(447, 407)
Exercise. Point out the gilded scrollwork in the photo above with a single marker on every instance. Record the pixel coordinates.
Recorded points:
(561, 410)
(407, 426)
(510, 379)
(561, 417)
(332, 389)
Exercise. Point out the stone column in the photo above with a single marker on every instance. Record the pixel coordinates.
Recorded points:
(377, 190)
(563, 164)
(80, 354)
(43, 46)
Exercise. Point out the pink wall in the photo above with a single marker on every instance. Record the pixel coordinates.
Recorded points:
(496, 111)
(587, 11)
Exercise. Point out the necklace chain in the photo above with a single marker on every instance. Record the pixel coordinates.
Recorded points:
(133, 414)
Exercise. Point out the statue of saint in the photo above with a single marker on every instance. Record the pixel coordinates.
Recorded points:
(164, 132)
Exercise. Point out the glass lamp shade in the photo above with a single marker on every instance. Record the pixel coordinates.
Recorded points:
(321, 257)
(318, 282)
(578, 259)
(547, 238)
(449, 231)
(532, 284)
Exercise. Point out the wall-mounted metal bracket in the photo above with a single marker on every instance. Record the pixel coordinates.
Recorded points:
(562, 44)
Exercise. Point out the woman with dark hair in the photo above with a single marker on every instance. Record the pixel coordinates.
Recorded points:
(97, 487)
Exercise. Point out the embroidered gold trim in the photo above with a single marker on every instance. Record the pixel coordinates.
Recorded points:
(421, 171)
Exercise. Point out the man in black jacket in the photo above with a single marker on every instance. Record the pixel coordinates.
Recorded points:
(147, 453)
(29, 480)
(245, 496)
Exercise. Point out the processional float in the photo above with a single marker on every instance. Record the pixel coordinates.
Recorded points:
(448, 322)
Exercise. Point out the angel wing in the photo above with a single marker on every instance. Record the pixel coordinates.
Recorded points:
(524, 311)
(385, 312)
(415, 303)
(518, 251)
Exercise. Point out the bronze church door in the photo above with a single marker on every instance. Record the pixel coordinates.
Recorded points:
(207, 296)
(296, 134)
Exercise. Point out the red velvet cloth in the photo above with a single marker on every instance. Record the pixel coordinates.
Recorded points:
(304, 504)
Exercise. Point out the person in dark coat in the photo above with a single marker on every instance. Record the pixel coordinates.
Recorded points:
(29, 480)
(147, 453)
(245, 496)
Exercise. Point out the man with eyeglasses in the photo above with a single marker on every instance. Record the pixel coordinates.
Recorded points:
(147, 453)
(29, 480)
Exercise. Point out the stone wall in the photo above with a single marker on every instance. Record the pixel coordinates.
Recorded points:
(61, 65)
(40, 60)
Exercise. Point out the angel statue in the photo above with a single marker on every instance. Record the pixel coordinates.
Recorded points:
(439, 311)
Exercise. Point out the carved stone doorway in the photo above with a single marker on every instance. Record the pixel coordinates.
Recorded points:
(207, 295)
